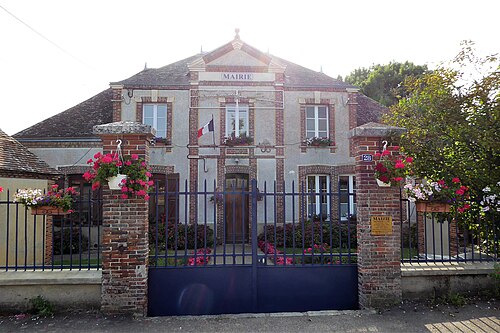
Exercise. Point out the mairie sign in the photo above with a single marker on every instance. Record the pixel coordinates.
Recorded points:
(236, 76)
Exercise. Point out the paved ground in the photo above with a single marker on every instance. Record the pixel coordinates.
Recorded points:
(475, 316)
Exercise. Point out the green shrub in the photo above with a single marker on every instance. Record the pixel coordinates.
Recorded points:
(305, 235)
(177, 235)
(41, 307)
(72, 241)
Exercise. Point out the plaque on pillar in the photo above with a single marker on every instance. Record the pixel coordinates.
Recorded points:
(381, 225)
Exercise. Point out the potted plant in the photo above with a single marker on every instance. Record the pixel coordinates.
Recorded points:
(241, 140)
(438, 196)
(490, 204)
(132, 171)
(55, 202)
(391, 169)
(316, 141)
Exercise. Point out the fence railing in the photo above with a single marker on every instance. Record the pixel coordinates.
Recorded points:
(447, 237)
(241, 225)
(42, 242)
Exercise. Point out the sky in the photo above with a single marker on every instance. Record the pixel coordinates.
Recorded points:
(55, 54)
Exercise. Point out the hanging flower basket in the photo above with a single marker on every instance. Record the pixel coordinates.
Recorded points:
(432, 207)
(116, 182)
(48, 210)
(382, 184)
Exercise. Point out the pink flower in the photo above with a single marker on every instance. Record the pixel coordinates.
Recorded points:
(386, 153)
(456, 180)
(90, 161)
(107, 159)
(377, 154)
(399, 164)
(395, 147)
(409, 159)
(150, 183)
(124, 196)
(97, 155)
(460, 191)
(441, 182)
(398, 179)
(134, 156)
(54, 187)
(95, 186)
(146, 197)
(128, 163)
(88, 176)
(148, 174)
(124, 189)
(1, 189)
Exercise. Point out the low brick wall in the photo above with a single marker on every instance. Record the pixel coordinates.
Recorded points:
(427, 281)
(63, 289)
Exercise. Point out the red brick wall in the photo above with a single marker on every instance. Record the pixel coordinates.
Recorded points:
(379, 266)
(125, 238)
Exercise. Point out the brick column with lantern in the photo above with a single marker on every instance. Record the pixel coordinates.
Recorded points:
(378, 221)
(124, 228)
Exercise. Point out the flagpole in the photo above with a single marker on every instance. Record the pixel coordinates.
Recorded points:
(213, 132)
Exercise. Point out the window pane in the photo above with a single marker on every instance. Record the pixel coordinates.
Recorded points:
(321, 111)
(148, 111)
(161, 111)
(310, 112)
(322, 125)
(310, 125)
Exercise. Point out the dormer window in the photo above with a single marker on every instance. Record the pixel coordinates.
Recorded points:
(155, 115)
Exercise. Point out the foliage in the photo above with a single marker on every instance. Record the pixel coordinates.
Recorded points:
(73, 241)
(274, 254)
(496, 275)
(200, 257)
(41, 307)
(234, 140)
(453, 193)
(305, 235)
(453, 120)
(318, 141)
(55, 197)
(174, 235)
(383, 83)
(110, 165)
(490, 204)
(392, 168)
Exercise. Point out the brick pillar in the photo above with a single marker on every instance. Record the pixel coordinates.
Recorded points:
(378, 223)
(124, 229)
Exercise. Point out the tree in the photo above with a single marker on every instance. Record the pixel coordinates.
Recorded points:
(383, 83)
(453, 120)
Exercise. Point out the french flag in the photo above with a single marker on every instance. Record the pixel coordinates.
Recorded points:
(209, 127)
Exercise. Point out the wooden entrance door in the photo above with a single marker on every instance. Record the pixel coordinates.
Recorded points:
(237, 208)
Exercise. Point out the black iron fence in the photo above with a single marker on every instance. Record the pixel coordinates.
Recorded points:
(447, 236)
(44, 242)
(289, 226)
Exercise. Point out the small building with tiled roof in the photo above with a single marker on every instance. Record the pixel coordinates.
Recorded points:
(20, 169)
(16, 161)
(270, 120)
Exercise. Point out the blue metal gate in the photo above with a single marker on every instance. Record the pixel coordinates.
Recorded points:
(296, 258)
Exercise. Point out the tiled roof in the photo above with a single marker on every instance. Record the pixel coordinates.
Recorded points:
(369, 110)
(16, 158)
(298, 76)
(76, 122)
(176, 74)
